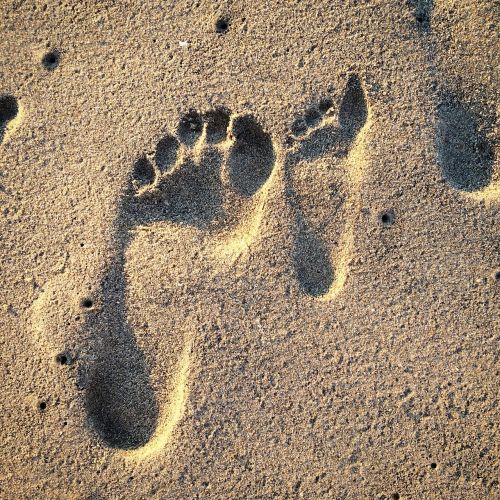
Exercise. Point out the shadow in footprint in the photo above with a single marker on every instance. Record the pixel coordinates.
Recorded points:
(217, 122)
(190, 127)
(252, 156)
(166, 153)
(8, 111)
(313, 264)
(312, 256)
(121, 403)
(464, 153)
(353, 110)
(319, 143)
(191, 195)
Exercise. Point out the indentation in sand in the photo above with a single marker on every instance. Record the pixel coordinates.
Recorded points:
(324, 174)
(11, 114)
(214, 176)
(464, 153)
(210, 176)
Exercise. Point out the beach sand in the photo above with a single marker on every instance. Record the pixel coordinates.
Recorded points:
(249, 249)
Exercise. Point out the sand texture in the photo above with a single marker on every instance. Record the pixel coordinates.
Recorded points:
(249, 249)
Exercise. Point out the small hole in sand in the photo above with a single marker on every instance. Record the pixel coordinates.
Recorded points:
(433, 465)
(63, 359)
(395, 496)
(87, 303)
(221, 25)
(51, 60)
(497, 276)
(387, 218)
(42, 405)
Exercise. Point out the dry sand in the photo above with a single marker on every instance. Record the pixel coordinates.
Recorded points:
(250, 249)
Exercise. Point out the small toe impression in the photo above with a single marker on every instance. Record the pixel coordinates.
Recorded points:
(217, 122)
(312, 117)
(299, 127)
(325, 105)
(252, 156)
(464, 154)
(353, 109)
(190, 127)
(166, 153)
(143, 173)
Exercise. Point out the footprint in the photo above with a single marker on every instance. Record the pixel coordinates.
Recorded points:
(323, 172)
(465, 155)
(9, 110)
(203, 177)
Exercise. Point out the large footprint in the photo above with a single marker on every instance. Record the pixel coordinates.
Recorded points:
(208, 175)
(323, 170)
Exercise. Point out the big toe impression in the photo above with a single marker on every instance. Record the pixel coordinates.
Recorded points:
(353, 109)
(251, 157)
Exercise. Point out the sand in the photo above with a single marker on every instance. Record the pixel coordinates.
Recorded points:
(249, 249)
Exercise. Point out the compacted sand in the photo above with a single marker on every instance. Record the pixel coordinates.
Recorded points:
(249, 249)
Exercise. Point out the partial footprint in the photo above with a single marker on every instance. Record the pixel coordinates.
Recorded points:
(464, 153)
(324, 171)
(9, 109)
(205, 176)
